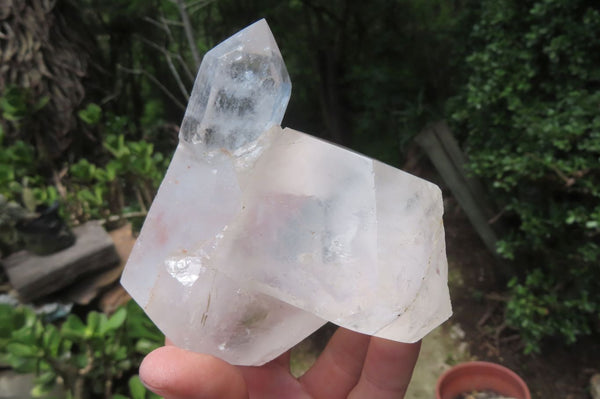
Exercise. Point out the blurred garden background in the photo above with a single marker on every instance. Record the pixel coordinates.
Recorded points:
(92, 93)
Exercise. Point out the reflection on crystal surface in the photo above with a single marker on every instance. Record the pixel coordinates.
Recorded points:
(186, 270)
(258, 234)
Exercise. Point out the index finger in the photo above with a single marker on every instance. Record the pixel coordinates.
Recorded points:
(387, 370)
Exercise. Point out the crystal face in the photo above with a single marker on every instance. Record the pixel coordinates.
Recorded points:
(258, 235)
(242, 89)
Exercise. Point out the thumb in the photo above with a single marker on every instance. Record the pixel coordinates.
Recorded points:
(179, 374)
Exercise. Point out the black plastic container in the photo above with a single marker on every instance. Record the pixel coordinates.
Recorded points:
(47, 233)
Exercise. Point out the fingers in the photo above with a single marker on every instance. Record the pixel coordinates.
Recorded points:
(273, 380)
(339, 367)
(387, 370)
(283, 361)
(178, 374)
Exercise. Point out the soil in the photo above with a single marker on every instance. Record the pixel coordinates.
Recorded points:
(560, 371)
(481, 395)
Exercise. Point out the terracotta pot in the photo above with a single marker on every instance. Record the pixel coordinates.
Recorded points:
(480, 376)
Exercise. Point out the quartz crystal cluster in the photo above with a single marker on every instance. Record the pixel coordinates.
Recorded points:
(259, 235)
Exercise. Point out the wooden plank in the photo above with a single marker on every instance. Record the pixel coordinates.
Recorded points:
(88, 288)
(444, 153)
(34, 276)
(451, 147)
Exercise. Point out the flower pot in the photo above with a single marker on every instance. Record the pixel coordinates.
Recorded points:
(480, 376)
(46, 233)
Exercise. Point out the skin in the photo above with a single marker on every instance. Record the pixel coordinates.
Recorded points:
(352, 365)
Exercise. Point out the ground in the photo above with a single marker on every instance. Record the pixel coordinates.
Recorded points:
(560, 371)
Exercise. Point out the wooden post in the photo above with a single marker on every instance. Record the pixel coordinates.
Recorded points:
(445, 154)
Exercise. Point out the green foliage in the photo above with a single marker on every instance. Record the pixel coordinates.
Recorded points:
(539, 310)
(19, 178)
(137, 390)
(135, 159)
(91, 114)
(372, 88)
(399, 81)
(529, 112)
(134, 169)
(10, 215)
(129, 173)
(18, 104)
(89, 357)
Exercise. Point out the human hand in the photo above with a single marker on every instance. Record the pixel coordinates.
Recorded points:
(352, 365)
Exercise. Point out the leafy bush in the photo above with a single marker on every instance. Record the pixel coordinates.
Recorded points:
(89, 357)
(124, 176)
(133, 171)
(18, 105)
(19, 179)
(530, 115)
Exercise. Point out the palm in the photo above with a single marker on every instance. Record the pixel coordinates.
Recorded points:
(352, 365)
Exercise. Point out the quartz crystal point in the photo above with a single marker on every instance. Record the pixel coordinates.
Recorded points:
(258, 235)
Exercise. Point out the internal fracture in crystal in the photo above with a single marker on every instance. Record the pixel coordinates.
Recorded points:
(259, 235)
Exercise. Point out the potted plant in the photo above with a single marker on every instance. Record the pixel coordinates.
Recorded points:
(46, 232)
(483, 377)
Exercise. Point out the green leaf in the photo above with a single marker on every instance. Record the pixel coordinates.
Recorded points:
(30, 317)
(21, 350)
(145, 346)
(51, 340)
(83, 170)
(38, 330)
(40, 390)
(41, 103)
(591, 224)
(101, 330)
(139, 325)
(93, 323)
(91, 114)
(73, 328)
(116, 146)
(136, 388)
(7, 320)
(24, 335)
(121, 353)
(124, 364)
(12, 116)
(81, 360)
(65, 345)
(117, 319)
(46, 378)
(111, 170)
(21, 364)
